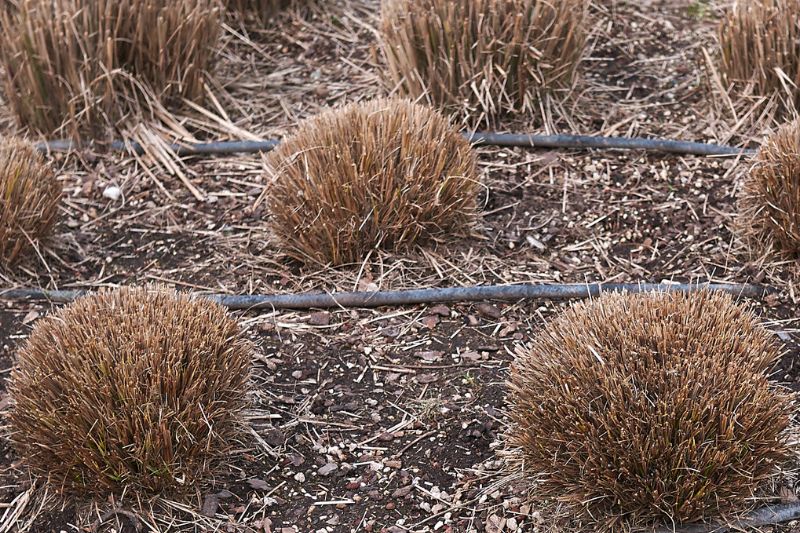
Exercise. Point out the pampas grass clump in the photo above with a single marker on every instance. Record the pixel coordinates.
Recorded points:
(81, 66)
(649, 408)
(29, 198)
(760, 49)
(382, 175)
(769, 207)
(136, 388)
(482, 58)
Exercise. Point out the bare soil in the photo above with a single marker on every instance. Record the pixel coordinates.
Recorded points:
(388, 420)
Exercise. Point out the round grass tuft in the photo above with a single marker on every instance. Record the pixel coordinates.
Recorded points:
(386, 174)
(29, 198)
(639, 409)
(768, 217)
(135, 388)
(481, 59)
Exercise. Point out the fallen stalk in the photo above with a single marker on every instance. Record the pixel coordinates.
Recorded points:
(422, 296)
(581, 142)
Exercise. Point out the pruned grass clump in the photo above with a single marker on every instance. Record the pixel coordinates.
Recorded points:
(137, 388)
(386, 175)
(29, 198)
(81, 66)
(647, 408)
(482, 58)
(769, 206)
(760, 49)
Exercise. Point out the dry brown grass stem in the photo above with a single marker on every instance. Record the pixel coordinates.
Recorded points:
(768, 218)
(386, 174)
(29, 198)
(81, 66)
(482, 58)
(760, 49)
(138, 388)
(635, 409)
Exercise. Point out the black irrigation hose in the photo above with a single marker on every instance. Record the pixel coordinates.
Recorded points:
(608, 143)
(211, 148)
(423, 296)
(765, 516)
(479, 139)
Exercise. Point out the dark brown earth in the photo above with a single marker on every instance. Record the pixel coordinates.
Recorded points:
(389, 419)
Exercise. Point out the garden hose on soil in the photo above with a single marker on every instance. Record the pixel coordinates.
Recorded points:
(765, 516)
(525, 291)
(582, 142)
(608, 143)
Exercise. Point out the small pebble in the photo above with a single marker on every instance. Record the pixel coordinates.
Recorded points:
(112, 192)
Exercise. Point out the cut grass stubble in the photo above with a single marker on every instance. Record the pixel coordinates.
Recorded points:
(759, 44)
(484, 58)
(82, 66)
